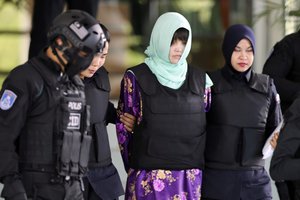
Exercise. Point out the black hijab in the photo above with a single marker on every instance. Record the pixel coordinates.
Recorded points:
(233, 36)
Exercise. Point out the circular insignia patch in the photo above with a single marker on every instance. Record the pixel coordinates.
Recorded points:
(7, 100)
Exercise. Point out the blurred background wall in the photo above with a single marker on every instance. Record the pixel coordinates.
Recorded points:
(130, 23)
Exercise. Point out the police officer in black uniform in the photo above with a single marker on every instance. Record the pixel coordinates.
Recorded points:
(44, 119)
(285, 163)
(245, 110)
(283, 65)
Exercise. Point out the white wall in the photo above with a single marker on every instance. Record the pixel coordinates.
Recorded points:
(267, 33)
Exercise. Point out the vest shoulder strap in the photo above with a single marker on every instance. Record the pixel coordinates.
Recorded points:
(220, 83)
(102, 80)
(260, 82)
(144, 76)
(196, 77)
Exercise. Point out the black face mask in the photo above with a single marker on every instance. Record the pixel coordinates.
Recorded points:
(76, 61)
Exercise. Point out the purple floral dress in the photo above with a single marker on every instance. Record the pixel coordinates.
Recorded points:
(152, 184)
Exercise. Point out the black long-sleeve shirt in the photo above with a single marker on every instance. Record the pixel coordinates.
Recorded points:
(283, 65)
(285, 163)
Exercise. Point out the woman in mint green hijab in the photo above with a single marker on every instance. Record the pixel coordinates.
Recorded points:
(164, 155)
(168, 74)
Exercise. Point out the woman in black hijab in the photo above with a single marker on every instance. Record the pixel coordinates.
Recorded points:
(245, 110)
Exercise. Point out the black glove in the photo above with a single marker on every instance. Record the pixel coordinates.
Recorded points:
(73, 190)
(13, 189)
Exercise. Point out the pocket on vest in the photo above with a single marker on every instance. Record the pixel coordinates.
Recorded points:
(253, 141)
(177, 149)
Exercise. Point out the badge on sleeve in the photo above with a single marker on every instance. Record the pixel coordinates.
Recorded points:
(7, 100)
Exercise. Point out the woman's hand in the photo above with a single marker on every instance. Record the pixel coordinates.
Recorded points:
(274, 139)
(129, 121)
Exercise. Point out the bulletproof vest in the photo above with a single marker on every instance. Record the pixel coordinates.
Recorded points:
(97, 91)
(67, 121)
(236, 121)
(171, 134)
(73, 142)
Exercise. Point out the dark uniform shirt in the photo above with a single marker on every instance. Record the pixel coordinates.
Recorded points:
(285, 163)
(29, 119)
(283, 66)
(27, 115)
(22, 91)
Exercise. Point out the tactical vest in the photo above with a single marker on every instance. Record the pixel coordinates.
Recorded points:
(55, 136)
(236, 122)
(97, 91)
(172, 132)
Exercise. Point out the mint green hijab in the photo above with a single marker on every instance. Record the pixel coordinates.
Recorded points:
(168, 74)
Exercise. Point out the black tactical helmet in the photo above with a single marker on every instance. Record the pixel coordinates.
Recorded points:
(82, 38)
(79, 28)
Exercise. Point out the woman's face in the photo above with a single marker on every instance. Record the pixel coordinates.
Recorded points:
(98, 61)
(242, 56)
(176, 51)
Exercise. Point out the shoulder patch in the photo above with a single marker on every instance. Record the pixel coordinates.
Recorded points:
(7, 100)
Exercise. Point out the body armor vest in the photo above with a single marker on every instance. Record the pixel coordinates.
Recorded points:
(235, 140)
(171, 134)
(55, 136)
(97, 91)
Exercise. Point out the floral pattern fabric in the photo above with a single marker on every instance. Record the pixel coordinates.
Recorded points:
(152, 184)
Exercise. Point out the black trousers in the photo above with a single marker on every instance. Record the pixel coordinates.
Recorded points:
(44, 11)
(89, 193)
(221, 184)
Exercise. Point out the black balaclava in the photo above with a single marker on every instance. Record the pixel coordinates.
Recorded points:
(233, 36)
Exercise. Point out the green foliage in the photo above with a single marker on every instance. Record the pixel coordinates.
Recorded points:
(16, 3)
(10, 44)
(10, 50)
(1, 80)
(134, 57)
(10, 18)
(294, 13)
